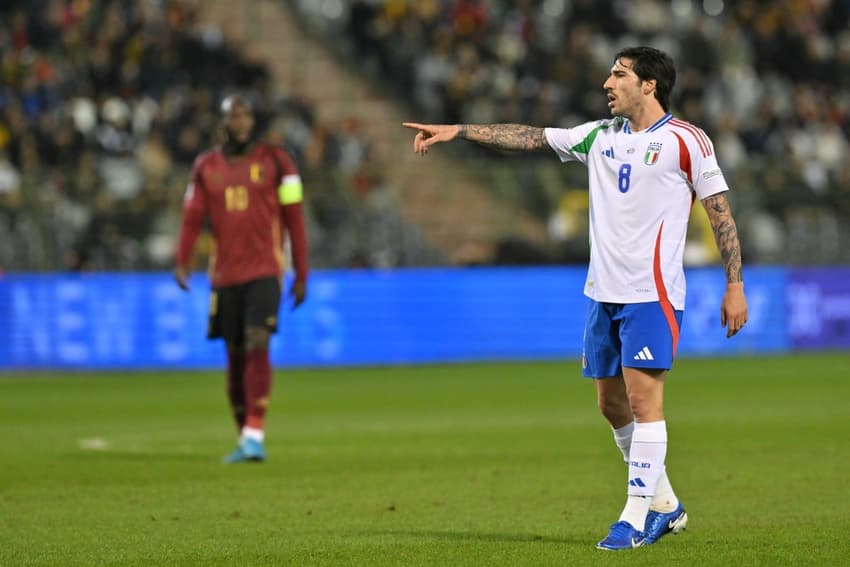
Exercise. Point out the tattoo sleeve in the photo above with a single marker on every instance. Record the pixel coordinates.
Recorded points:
(505, 136)
(725, 234)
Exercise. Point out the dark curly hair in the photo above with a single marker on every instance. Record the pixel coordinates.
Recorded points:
(649, 64)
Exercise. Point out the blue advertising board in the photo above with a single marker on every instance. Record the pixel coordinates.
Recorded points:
(766, 328)
(387, 317)
(351, 317)
(819, 308)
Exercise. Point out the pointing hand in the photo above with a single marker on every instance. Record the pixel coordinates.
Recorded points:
(430, 134)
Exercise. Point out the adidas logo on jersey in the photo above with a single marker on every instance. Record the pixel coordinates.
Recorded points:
(609, 152)
(644, 354)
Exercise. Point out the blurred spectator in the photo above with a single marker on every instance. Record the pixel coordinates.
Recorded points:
(116, 144)
(104, 104)
(767, 79)
(10, 179)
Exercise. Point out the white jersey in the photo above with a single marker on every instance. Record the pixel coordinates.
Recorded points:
(642, 188)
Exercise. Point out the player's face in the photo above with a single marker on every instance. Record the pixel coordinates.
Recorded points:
(240, 123)
(623, 88)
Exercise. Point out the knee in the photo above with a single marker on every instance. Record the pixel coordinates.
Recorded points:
(614, 409)
(637, 404)
(644, 406)
(256, 338)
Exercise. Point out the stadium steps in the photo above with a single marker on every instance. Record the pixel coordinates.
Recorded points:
(452, 206)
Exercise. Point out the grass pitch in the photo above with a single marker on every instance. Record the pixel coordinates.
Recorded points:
(498, 464)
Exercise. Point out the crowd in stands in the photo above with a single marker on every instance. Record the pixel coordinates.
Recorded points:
(104, 104)
(767, 80)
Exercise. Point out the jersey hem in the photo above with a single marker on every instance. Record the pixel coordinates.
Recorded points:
(621, 301)
(217, 283)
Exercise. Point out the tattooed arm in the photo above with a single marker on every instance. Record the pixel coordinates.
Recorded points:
(725, 234)
(505, 136)
(501, 136)
(733, 310)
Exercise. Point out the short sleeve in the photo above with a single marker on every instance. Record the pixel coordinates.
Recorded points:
(707, 178)
(573, 144)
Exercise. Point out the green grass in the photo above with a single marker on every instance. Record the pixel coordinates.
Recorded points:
(502, 464)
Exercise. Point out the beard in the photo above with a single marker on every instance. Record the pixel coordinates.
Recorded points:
(233, 147)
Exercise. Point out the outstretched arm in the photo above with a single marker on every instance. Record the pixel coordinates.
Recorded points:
(733, 309)
(502, 136)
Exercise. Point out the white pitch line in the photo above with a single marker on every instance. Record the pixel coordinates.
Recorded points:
(94, 444)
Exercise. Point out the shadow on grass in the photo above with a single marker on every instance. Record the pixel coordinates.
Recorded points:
(139, 456)
(472, 536)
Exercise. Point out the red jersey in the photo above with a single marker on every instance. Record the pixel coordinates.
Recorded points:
(252, 201)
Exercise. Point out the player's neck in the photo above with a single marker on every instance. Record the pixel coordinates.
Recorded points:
(235, 150)
(645, 117)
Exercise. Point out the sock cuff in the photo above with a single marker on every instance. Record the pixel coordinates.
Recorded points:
(253, 433)
(625, 430)
(650, 432)
(624, 433)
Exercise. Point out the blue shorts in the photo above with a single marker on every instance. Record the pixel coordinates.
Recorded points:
(636, 335)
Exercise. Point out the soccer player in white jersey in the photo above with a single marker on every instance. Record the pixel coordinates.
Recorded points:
(645, 170)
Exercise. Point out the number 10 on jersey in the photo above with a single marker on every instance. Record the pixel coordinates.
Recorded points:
(236, 198)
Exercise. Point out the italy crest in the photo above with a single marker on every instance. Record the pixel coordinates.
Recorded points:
(652, 153)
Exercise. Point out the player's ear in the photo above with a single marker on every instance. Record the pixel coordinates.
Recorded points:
(648, 86)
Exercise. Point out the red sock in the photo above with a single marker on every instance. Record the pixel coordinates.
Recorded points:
(236, 386)
(258, 385)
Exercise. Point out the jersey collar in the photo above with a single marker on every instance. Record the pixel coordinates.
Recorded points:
(661, 122)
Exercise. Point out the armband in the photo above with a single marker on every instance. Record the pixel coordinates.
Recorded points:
(290, 190)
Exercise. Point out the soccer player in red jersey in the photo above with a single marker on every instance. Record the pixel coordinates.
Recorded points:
(251, 193)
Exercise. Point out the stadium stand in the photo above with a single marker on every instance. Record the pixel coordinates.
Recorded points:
(767, 80)
(103, 105)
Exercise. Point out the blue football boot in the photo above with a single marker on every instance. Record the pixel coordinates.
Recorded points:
(235, 457)
(623, 535)
(248, 450)
(659, 524)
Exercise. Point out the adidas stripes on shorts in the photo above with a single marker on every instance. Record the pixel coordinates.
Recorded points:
(637, 335)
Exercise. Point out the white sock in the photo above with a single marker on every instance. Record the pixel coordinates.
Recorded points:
(623, 439)
(665, 499)
(646, 465)
(635, 511)
(252, 433)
